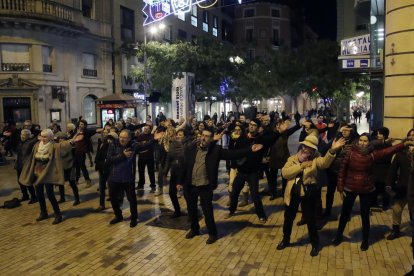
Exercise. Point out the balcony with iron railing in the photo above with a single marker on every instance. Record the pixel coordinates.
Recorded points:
(51, 10)
(56, 11)
(90, 73)
(15, 67)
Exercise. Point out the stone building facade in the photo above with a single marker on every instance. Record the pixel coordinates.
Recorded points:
(56, 59)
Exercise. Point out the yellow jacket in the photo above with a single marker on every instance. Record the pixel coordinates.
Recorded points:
(292, 169)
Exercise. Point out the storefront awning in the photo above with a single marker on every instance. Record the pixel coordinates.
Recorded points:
(116, 100)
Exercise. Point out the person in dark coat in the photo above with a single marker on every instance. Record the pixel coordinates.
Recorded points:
(24, 149)
(238, 140)
(101, 165)
(297, 117)
(249, 170)
(381, 167)
(279, 154)
(81, 148)
(146, 159)
(121, 158)
(200, 179)
(397, 183)
(355, 178)
(174, 164)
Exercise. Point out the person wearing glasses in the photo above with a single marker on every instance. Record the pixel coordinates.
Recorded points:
(238, 140)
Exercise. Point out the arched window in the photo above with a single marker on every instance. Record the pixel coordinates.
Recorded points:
(89, 109)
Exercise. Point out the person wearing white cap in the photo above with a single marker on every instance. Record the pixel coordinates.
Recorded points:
(301, 172)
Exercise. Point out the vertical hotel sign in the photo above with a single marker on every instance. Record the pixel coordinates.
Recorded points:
(182, 96)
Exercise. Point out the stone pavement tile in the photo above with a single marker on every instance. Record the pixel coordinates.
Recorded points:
(84, 244)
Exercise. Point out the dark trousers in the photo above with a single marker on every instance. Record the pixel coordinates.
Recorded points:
(161, 177)
(103, 177)
(173, 193)
(206, 199)
(273, 182)
(253, 180)
(266, 170)
(141, 171)
(50, 195)
(24, 188)
(365, 202)
(72, 184)
(116, 188)
(79, 162)
(308, 206)
(380, 192)
(330, 192)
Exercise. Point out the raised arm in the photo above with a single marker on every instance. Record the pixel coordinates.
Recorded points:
(113, 156)
(380, 153)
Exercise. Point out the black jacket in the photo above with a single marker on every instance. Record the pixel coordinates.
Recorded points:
(399, 172)
(214, 155)
(238, 143)
(100, 158)
(24, 149)
(254, 159)
(279, 152)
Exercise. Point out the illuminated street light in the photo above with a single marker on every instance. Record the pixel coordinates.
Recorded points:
(153, 31)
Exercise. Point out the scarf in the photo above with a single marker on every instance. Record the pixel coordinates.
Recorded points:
(364, 150)
(43, 150)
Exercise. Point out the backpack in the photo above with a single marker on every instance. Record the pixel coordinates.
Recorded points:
(13, 203)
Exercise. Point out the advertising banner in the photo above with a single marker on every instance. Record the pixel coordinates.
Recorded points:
(183, 96)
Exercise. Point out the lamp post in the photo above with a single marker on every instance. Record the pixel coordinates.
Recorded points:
(237, 61)
(153, 31)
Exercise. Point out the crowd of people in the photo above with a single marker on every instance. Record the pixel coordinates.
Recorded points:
(331, 154)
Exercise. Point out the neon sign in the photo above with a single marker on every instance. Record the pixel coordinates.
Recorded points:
(156, 10)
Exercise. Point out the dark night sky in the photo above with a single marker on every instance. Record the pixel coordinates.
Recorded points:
(321, 17)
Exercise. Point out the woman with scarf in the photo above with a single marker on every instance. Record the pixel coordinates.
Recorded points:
(44, 168)
(355, 178)
(301, 172)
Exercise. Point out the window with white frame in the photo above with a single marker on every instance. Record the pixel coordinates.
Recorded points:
(215, 25)
(181, 16)
(205, 21)
(194, 15)
(46, 58)
(89, 65)
(15, 57)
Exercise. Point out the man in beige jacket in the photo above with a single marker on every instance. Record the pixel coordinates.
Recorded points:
(301, 172)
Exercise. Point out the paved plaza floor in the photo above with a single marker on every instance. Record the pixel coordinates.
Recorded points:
(85, 244)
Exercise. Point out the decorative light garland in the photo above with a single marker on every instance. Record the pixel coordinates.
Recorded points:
(208, 6)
